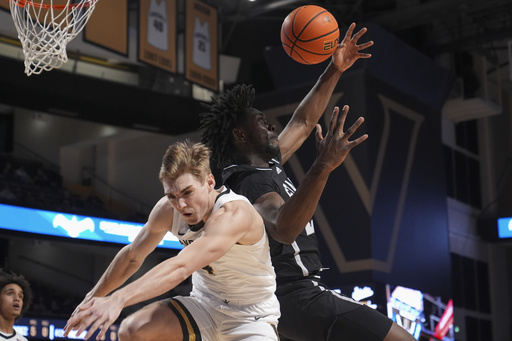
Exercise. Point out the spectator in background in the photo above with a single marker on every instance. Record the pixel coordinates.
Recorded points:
(15, 298)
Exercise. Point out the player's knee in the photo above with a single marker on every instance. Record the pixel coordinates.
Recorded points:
(397, 333)
(131, 330)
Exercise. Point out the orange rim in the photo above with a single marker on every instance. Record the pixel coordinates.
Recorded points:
(23, 3)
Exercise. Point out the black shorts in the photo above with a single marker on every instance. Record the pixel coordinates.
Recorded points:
(310, 311)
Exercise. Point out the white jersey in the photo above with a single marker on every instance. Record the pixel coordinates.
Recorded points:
(244, 275)
(12, 337)
(201, 54)
(158, 25)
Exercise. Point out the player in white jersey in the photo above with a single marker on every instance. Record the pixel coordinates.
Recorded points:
(15, 298)
(226, 252)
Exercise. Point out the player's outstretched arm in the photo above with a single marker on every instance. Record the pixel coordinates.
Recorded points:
(129, 259)
(230, 224)
(313, 105)
(285, 220)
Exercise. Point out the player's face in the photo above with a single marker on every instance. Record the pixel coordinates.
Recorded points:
(190, 197)
(261, 133)
(11, 301)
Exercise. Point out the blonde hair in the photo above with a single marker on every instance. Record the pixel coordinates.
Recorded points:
(185, 157)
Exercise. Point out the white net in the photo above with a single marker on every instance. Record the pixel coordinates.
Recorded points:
(45, 27)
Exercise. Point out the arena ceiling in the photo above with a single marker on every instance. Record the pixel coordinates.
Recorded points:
(431, 26)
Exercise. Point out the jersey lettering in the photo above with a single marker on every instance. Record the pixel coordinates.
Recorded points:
(290, 190)
(289, 187)
(209, 269)
(310, 228)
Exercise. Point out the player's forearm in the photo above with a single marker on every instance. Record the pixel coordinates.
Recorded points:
(120, 269)
(313, 105)
(157, 281)
(300, 208)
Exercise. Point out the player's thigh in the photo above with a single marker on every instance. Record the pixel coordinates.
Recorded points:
(361, 324)
(309, 308)
(250, 330)
(156, 321)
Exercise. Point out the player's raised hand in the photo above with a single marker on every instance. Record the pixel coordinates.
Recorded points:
(347, 51)
(335, 146)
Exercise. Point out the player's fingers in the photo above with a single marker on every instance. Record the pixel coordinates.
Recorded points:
(350, 30)
(365, 45)
(78, 326)
(364, 55)
(82, 306)
(354, 127)
(318, 133)
(92, 329)
(334, 119)
(68, 328)
(359, 34)
(357, 141)
(89, 323)
(341, 120)
(72, 323)
(103, 331)
(81, 328)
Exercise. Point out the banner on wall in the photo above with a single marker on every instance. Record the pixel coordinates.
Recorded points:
(108, 26)
(157, 33)
(4, 4)
(53, 329)
(74, 226)
(201, 54)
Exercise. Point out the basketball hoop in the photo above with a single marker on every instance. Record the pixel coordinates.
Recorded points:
(45, 27)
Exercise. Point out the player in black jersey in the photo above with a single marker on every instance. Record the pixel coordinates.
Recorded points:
(251, 153)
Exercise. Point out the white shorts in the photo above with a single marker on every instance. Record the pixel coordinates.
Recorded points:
(206, 319)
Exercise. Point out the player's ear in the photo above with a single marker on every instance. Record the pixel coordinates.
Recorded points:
(210, 180)
(238, 135)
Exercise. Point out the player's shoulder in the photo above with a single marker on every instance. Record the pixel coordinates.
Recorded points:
(163, 205)
(227, 195)
(240, 207)
(162, 211)
(17, 337)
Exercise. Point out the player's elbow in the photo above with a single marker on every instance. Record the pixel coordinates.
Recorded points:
(182, 273)
(281, 235)
(130, 257)
(286, 239)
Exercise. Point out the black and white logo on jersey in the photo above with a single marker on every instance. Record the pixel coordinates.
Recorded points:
(289, 187)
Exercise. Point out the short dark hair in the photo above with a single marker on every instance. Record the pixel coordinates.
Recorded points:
(222, 116)
(10, 277)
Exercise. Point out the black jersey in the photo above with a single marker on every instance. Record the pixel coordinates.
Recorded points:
(291, 262)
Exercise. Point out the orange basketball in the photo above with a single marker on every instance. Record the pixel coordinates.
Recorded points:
(310, 34)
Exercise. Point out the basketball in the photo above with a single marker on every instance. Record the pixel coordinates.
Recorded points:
(310, 34)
